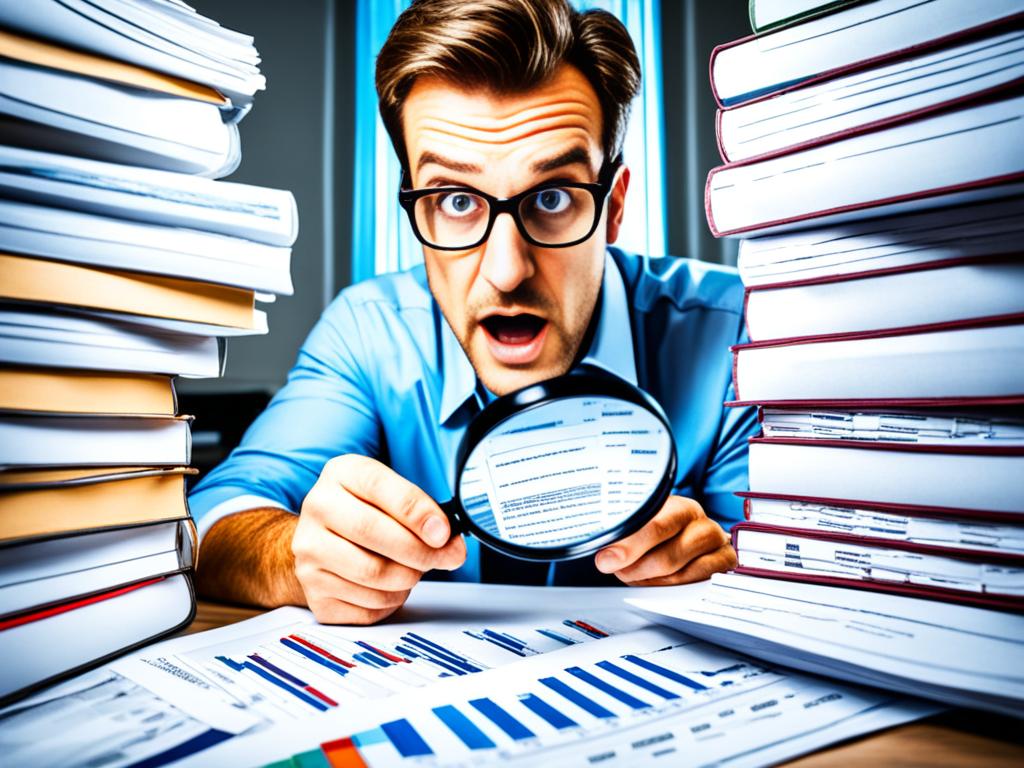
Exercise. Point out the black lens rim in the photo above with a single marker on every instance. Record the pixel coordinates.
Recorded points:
(580, 383)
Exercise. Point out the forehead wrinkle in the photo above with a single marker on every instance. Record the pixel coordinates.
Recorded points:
(518, 116)
(439, 127)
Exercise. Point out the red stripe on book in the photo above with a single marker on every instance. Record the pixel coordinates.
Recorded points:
(56, 610)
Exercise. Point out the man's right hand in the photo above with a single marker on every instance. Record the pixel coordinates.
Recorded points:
(365, 537)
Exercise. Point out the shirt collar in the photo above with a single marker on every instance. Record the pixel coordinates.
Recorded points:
(610, 349)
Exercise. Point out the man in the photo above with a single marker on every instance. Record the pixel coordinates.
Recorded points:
(508, 118)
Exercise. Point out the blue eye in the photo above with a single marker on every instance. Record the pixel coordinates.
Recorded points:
(552, 200)
(458, 204)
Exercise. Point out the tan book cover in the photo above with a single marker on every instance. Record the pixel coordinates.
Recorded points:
(32, 51)
(23, 278)
(50, 502)
(56, 390)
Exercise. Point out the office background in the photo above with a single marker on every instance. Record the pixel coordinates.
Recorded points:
(314, 131)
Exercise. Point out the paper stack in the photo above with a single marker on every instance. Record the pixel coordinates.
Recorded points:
(120, 268)
(876, 176)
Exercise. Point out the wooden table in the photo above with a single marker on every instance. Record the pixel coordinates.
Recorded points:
(957, 738)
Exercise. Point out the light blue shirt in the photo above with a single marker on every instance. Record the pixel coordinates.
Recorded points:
(383, 375)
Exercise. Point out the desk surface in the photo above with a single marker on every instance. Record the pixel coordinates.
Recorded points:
(958, 738)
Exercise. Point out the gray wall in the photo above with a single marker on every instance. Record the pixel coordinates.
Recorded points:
(283, 145)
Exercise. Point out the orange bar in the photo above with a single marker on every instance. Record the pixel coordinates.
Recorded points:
(342, 753)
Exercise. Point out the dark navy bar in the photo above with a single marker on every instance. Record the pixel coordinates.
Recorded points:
(542, 709)
(405, 738)
(641, 682)
(576, 697)
(313, 656)
(303, 696)
(277, 670)
(558, 637)
(617, 693)
(421, 642)
(650, 666)
(512, 727)
(463, 727)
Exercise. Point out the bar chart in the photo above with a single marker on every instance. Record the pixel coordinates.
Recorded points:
(638, 705)
(309, 668)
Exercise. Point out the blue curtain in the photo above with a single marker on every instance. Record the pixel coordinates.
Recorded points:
(382, 240)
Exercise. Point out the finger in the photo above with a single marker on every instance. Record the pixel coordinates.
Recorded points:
(381, 487)
(331, 610)
(721, 560)
(348, 560)
(355, 520)
(698, 538)
(320, 583)
(671, 519)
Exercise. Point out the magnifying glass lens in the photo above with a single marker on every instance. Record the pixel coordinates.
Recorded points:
(565, 471)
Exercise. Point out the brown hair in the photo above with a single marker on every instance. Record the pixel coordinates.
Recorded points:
(508, 46)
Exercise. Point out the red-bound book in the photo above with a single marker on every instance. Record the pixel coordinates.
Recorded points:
(46, 645)
(855, 38)
(859, 102)
(955, 364)
(837, 559)
(910, 295)
(969, 154)
(953, 477)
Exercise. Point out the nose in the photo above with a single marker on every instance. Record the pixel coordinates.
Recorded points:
(506, 262)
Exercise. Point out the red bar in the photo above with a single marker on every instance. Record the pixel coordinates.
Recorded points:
(323, 697)
(590, 628)
(388, 656)
(322, 652)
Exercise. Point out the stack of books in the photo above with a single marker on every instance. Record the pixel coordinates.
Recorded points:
(121, 267)
(875, 169)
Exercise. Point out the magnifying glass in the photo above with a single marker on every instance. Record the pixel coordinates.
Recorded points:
(559, 469)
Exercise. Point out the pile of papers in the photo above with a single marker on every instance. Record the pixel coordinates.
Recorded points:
(121, 267)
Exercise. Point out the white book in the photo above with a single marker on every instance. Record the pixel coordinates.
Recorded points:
(970, 154)
(894, 300)
(165, 41)
(52, 338)
(964, 533)
(101, 241)
(866, 99)
(149, 196)
(44, 572)
(980, 480)
(983, 230)
(922, 427)
(91, 632)
(82, 116)
(60, 440)
(853, 37)
(979, 363)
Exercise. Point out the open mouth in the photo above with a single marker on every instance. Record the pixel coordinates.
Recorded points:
(515, 339)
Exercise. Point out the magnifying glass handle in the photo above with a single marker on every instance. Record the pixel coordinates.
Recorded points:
(451, 511)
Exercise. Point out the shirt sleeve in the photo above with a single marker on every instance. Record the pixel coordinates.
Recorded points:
(325, 409)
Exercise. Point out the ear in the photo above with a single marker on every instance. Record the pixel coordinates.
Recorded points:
(617, 205)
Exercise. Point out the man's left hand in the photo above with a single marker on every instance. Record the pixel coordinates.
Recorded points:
(679, 545)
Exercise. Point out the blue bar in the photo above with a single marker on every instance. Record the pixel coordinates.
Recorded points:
(361, 644)
(576, 697)
(423, 655)
(499, 641)
(512, 727)
(314, 656)
(437, 650)
(545, 711)
(513, 638)
(282, 684)
(650, 666)
(644, 683)
(407, 652)
(277, 670)
(231, 663)
(505, 638)
(371, 659)
(628, 699)
(204, 740)
(578, 628)
(558, 637)
(405, 738)
(463, 727)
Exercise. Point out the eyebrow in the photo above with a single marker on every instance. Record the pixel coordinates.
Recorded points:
(452, 165)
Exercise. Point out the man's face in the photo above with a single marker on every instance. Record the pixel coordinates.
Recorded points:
(519, 311)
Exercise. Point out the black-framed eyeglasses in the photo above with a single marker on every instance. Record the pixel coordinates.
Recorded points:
(554, 214)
